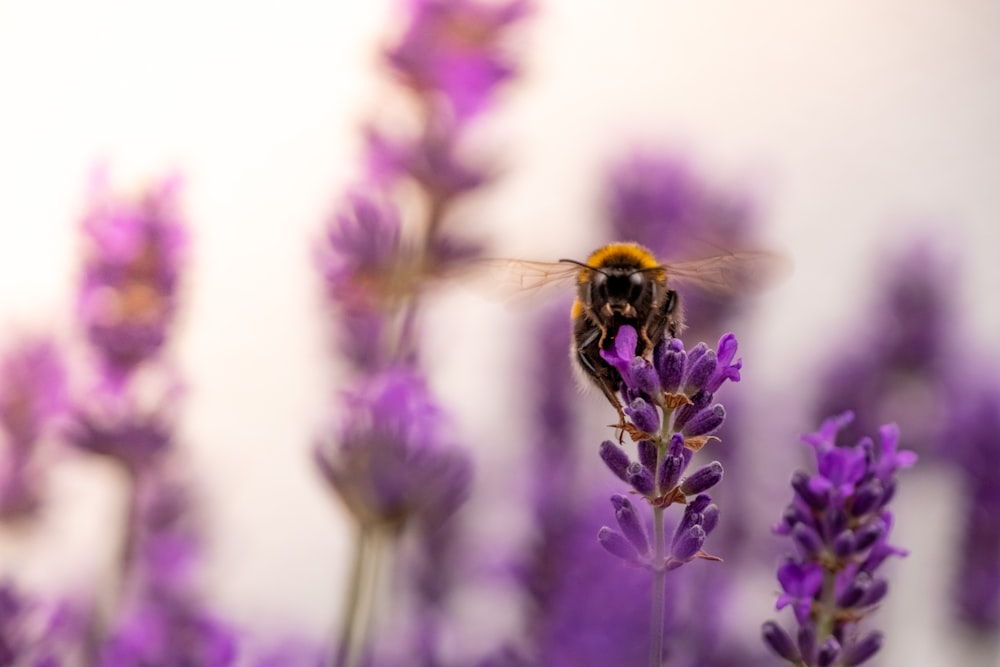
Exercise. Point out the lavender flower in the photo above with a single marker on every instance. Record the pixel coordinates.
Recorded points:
(433, 160)
(161, 619)
(128, 302)
(839, 523)
(661, 201)
(902, 365)
(908, 364)
(135, 439)
(391, 464)
(128, 296)
(453, 50)
(158, 634)
(670, 404)
(392, 469)
(975, 424)
(32, 398)
(678, 385)
(37, 632)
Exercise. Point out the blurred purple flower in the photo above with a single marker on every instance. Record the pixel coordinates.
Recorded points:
(370, 270)
(37, 632)
(455, 51)
(364, 251)
(433, 160)
(135, 440)
(553, 493)
(902, 364)
(159, 634)
(909, 364)
(659, 200)
(162, 620)
(32, 398)
(975, 428)
(839, 523)
(391, 463)
(128, 295)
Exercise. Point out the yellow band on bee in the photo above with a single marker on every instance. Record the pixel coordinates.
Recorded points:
(620, 254)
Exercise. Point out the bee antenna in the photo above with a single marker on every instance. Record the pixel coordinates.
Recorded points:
(582, 265)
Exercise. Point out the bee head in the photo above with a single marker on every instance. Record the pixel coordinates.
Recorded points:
(616, 289)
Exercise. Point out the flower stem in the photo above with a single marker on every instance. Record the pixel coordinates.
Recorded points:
(827, 606)
(351, 638)
(659, 584)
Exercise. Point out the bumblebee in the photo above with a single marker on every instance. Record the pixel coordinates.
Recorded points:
(619, 284)
(624, 283)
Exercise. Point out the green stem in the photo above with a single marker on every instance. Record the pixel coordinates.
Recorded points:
(826, 618)
(656, 612)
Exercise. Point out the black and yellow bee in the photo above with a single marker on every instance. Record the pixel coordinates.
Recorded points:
(625, 284)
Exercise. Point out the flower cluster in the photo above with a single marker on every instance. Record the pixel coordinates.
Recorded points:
(911, 366)
(32, 398)
(670, 404)
(976, 579)
(162, 620)
(36, 632)
(840, 524)
(128, 300)
(661, 200)
(390, 463)
(128, 296)
(454, 51)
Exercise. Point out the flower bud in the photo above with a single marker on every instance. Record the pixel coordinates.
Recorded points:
(702, 479)
(616, 459)
(640, 479)
(780, 642)
(617, 545)
(706, 421)
(644, 415)
(631, 527)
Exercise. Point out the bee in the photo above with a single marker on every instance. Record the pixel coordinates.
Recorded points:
(625, 284)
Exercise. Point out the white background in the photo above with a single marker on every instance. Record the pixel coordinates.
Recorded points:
(858, 125)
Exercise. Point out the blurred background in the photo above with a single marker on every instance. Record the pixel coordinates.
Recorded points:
(851, 131)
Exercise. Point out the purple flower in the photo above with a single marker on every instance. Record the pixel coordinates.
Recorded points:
(161, 618)
(433, 160)
(32, 390)
(454, 51)
(32, 398)
(164, 634)
(128, 294)
(659, 199)
(391, 463)
(135, 440)
(841, 528)
(665, 455)
(38, 632)
(975, 424)
(670, 411)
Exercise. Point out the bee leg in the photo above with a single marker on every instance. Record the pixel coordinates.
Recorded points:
(607, 391)
(622, 424)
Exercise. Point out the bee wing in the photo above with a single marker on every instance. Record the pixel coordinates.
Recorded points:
(744, 272)
(517, 279)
